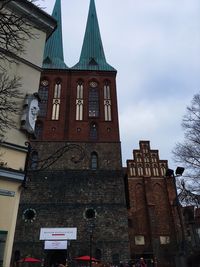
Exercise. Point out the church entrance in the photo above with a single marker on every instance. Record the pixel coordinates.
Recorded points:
(56, 257)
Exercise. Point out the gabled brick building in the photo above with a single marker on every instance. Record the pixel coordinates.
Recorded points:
(154, 224)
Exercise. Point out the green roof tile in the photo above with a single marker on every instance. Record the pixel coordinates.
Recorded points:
(53, 53)
(92, 54)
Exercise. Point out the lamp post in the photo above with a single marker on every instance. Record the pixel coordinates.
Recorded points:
(170, 173)
(91, 233)
(90, 215)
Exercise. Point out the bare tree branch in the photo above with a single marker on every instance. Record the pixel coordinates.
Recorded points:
(15, 31)
(187, 152)
(9, 94)
(186, 196)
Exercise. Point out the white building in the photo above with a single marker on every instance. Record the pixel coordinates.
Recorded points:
(13, 151)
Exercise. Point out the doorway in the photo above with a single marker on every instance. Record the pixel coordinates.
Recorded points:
(56, 257)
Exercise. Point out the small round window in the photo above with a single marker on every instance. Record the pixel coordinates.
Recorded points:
(90, 214)
(93, 84)
(29, 215)
(44, 82)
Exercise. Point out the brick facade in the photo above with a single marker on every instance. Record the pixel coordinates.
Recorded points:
(152, 212)
(62, 182)
(67, 127)
(60, 199)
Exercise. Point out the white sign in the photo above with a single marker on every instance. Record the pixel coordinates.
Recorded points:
(55, 244)
(58, 233)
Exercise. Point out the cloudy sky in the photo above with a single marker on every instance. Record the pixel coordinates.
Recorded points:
(155, 47)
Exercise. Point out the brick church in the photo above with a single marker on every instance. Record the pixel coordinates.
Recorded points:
(76, 181)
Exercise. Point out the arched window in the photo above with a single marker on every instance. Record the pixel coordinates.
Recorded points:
(79, 94)
(43, 94)
(153, 158)
(145, 148)
(146, 157)
(140, 170)
(93, 102)
(132, 169)
(107, 102)
(56, 101)
(148, 170)
(155, 170)
(163, 169)
(94, 160)
(79, 102)
(139, 157)
(93, 131)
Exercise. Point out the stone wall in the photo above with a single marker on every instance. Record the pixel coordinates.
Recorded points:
(60, 199)
(64, 155)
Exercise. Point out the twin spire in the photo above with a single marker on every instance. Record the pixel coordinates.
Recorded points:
(92, 54)
(53, 52)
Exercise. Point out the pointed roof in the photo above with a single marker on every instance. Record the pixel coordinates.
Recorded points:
(53, 53)
(92, 54)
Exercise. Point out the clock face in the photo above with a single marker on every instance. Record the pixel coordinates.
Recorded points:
(93, 84)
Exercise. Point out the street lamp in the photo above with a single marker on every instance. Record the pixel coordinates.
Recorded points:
(170, 173)
(90, 215)
(179, 172)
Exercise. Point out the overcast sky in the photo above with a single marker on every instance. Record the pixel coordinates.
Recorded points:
(155, 47)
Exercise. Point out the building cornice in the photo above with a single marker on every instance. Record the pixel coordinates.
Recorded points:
(11, 174)
(14, 146)
(36, 15)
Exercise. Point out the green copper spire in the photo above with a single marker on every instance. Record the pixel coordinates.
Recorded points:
(92, 54)
(53, 53)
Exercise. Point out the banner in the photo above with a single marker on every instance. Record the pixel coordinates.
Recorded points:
(58, 233)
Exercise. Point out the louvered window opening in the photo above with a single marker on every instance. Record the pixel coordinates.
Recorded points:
(93, 102)
(43, 94)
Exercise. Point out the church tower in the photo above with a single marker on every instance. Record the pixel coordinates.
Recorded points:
(75, 178)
